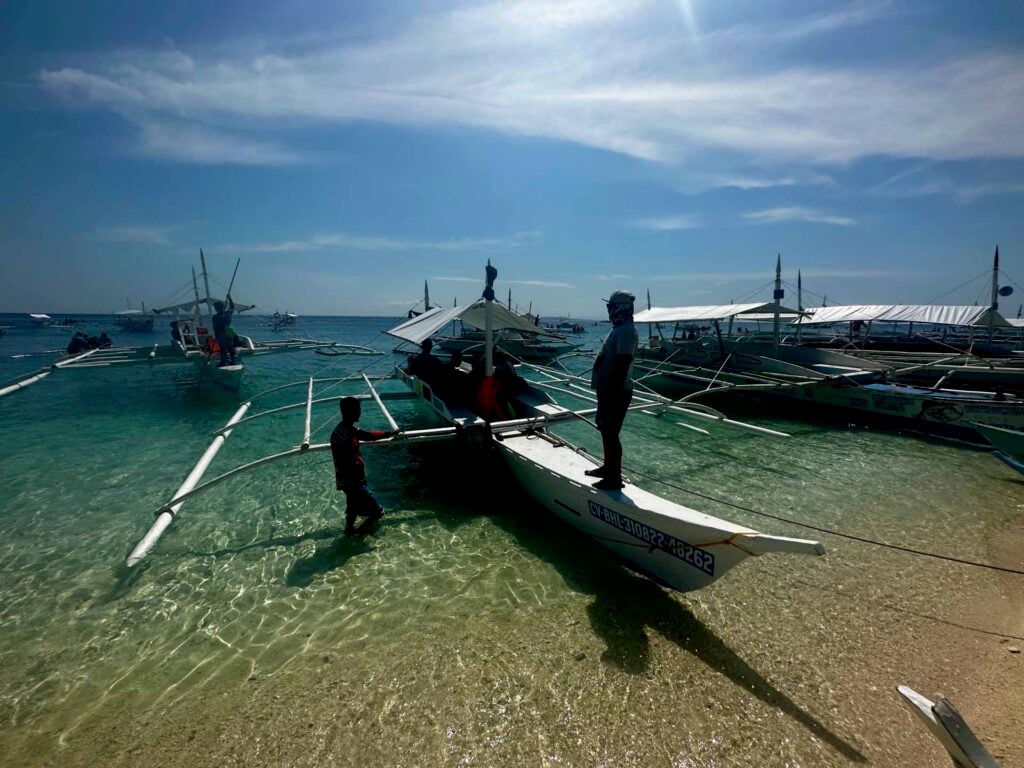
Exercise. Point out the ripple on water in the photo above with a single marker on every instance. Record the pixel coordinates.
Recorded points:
(469, 628)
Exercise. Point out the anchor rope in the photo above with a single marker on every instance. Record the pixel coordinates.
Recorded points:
(830, 531)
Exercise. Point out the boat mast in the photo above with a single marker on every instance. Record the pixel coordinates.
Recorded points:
(779, 293)
(197, 315)
(799, 306)
(995, 296)
(489, 321)
(426, 297)
(206, 284)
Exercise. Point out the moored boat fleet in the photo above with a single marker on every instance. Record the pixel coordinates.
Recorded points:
(503, 394)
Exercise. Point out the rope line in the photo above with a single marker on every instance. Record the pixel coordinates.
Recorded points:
(830, 531)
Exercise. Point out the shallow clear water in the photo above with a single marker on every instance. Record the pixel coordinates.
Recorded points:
(471, 627)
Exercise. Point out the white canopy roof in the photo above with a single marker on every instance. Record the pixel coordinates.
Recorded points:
(426, 325)
(718, 312)
(39, 316)
(1016, 322)
(934, 314)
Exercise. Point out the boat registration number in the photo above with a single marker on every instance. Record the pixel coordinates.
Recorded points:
(699, 558)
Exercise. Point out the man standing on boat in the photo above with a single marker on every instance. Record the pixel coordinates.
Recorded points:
(349, 469)
(221, 321)
(612, 379)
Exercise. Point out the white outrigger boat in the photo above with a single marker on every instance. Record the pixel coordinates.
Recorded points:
(193, 344)
(809, 376)
(674, 545)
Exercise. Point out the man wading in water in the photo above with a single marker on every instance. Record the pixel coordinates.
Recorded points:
(349, 470)
(612, 379)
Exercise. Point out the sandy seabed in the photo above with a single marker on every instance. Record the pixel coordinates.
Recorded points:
(610, 671)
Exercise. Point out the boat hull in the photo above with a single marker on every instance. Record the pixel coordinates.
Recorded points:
(674, 545)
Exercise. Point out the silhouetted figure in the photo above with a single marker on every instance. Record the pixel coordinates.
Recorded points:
(221, 321)
(425, 366)
(611, 379)
(349, 469)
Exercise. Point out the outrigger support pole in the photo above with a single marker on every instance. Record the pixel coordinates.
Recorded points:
(167, 515)
(309, 416)
(380, 404)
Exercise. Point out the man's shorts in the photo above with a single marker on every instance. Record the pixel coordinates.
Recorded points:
(359, 502)
(611, 411)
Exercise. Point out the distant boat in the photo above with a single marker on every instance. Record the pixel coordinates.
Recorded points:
(283, 320)
(39, 320)
(134, 320)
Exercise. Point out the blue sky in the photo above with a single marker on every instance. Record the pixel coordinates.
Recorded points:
(348, 151)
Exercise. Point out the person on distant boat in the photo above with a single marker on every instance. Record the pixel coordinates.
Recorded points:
(349, 469)
(425, 366)
(612, 379)
(175, 331)
(78, 344)
(104, 341)
(221, 321)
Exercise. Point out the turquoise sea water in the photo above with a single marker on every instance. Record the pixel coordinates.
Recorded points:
(471, 628)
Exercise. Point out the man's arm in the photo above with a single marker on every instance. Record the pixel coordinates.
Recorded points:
(369, 437)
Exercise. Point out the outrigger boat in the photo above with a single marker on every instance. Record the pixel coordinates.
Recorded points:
(674, 545)
(1008, 444)
(193, 344)
(722, 363)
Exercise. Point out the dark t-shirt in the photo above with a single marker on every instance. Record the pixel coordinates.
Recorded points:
(221, 321)
(349, 470)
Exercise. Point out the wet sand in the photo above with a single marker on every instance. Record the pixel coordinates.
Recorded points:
(782, 665)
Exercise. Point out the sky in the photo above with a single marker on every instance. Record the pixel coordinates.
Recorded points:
(347, 152)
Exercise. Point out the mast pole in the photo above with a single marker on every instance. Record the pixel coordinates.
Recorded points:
(426, 297)
(206, 284)
(779, 293)
(489, 324)
(995, 296)
(799, 307)
(198, 314)
(232, 283)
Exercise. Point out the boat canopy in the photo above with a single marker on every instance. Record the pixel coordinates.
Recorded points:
(718, 312)
(1016, 322)
(934, 314)
(426, 325)
(39, 316)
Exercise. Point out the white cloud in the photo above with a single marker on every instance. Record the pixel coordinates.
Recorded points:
(619, 76)
(668, 223)
(375, 243)
(797, 213)
(612, 277)
(749, 182)
(138, 235)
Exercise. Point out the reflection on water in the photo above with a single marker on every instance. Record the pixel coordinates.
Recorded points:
(469, 627)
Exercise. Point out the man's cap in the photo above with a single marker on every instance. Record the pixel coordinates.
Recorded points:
(620, 297)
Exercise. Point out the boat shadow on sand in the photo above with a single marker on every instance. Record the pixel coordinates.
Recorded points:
(626, 607)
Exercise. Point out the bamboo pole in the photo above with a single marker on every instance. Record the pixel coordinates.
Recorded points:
(380, 404)
(309, 416)
(412, 436)
(170, 511)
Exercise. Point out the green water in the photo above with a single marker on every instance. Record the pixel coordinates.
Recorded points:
(471, 628)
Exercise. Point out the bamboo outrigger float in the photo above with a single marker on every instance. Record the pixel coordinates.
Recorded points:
(674, 545)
